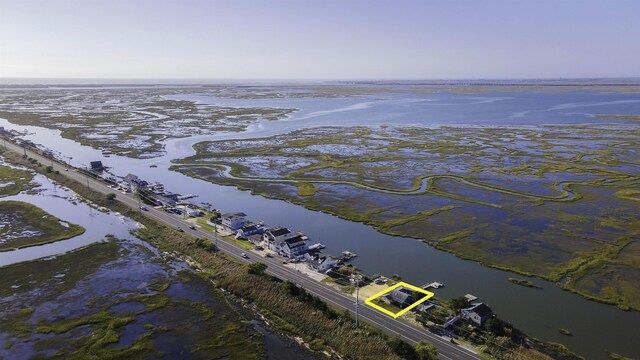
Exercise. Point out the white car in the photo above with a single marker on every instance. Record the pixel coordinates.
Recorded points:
(244, 255)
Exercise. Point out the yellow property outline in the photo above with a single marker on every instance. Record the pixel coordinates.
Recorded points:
(369, 300)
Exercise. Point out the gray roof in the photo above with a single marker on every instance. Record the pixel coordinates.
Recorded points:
(279, 231)
(398, 296)
(233, 215)
(480, 309)
(249, 228)
(295, 242)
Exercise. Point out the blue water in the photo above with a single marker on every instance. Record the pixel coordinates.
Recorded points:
(539, 312)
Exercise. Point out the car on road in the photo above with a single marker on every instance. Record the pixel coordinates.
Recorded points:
(180, 229)
(144, 208)
(244, 255)
(192, 227)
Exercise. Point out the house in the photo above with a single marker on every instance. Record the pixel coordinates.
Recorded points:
(322, 263)
(168, 199)
(255, 239)
(232, 222)
(191, 212)
(400, 297)
(135, 182)
(248, 230)
(272, 237)
(425, 307)
(294, 247)
(96, 166)
(478, 313)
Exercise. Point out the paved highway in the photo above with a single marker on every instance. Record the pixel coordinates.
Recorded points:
(406, 331)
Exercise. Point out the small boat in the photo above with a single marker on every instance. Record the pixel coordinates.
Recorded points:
(348, 255)
(317, 246)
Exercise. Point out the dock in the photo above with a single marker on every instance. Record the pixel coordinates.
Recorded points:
(470, 297)
(433, 285)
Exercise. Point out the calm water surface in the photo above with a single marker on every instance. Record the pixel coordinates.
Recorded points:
(596, 327)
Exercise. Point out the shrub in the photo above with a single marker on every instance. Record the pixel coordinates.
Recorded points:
(257, 268)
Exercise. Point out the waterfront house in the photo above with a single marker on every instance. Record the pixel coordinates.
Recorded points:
(168, 199)
(96, 166)
(322, 263)
(294, 247)
(232, 222)
(272, 237)
(248, 230)
(400, 297)
(135, 182)
(478, 313)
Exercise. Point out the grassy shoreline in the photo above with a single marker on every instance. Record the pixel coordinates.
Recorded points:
(554, 277)
(32, 218)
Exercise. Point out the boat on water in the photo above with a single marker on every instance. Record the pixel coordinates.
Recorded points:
(348, 255)
(316, 246)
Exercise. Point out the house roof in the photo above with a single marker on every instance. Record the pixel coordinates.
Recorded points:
(398, 296)
(295, 241)
(96, 164)
(249, 228)
(279, 231)
(233, 215)
(480, 309)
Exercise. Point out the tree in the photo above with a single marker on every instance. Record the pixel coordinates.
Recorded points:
(426, 351)
(49, 169)
(111, 196)
(257, 268)
(494, 326)
(291, 288)
(459, 303)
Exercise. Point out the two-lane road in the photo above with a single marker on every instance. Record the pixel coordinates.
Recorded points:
(275, 268)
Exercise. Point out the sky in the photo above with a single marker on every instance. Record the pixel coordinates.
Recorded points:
(320, 39)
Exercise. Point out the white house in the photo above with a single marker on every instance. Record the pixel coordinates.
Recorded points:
(478, 313)
(322, 263)
(232, 222)
(248, 230)
(294, 247)
(275, 236)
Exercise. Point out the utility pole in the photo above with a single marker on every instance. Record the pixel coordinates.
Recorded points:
(88, 182)
(139, 204)
(356, 279)
(215, 233)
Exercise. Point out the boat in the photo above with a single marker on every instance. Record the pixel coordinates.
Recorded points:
(348, 255)
(316, 246)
